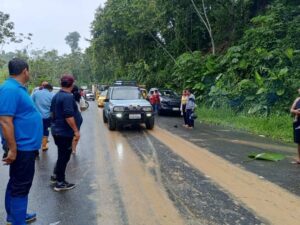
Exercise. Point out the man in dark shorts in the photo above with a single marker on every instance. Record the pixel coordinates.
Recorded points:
(66, 122)
(295, 110)
(22, 129)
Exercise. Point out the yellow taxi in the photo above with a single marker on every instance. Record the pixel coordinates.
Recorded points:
(97, 94)
(101, 98)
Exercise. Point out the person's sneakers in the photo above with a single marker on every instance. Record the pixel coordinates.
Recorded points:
(53, 179)
(63, 186)
(29, 218)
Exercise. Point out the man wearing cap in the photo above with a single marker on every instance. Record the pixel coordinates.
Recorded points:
(66, 122)
(21, 126)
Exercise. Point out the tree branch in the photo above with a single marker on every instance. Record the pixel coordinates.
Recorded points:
(166, 50)
(206, 23)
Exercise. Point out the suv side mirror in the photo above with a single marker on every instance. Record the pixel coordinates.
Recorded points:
(106, 100)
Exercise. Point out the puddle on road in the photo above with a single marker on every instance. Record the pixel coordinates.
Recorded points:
(58, 222)
(266, 199)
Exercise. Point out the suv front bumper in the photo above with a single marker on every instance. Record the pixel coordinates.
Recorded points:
(132, 117)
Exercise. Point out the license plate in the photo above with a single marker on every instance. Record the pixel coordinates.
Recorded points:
(135, 116)
(175, 109)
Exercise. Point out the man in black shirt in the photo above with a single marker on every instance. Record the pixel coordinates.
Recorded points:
(66, 122)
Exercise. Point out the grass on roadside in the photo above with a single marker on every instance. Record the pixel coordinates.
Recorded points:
(278, 127)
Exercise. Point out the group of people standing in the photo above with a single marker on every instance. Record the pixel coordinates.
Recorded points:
(187, 108)
(24, 129)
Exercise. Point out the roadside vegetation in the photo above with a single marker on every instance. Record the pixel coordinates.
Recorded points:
(238, 57)
(241, 57)
(276, 126)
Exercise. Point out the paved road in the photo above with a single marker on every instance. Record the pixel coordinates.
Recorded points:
(167, 176)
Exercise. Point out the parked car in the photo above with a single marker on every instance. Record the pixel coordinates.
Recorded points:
(124, 105)
(89, 96)
(56, 89)
(169, 102)
(101, 98)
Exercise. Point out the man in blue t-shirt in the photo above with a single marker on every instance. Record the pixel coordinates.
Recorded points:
(21, 126)
(42, 99)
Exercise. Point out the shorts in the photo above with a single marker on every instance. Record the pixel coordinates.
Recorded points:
(296, 128)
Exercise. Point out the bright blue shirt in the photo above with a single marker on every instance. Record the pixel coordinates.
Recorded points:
(42, 99)
(16, 102)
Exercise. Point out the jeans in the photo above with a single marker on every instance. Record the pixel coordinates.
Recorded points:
(64, 148)
(155, 108)
(190, 120)
(46, 125)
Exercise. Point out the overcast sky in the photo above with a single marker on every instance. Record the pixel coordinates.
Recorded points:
(50, 21)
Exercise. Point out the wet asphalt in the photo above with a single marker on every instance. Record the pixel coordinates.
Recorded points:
(98, 199)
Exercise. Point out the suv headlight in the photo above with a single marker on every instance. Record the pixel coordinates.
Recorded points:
(119, 109)
(147, 108)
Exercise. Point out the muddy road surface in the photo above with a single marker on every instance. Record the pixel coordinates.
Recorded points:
(167, 176)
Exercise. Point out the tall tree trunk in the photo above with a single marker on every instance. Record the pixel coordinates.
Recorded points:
(204, 19)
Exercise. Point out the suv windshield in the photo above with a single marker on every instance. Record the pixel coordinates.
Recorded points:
(168, 93)
(125, 94)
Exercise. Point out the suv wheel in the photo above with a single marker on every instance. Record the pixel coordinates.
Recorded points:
(111, 124)
(104, 117)
(150, 123)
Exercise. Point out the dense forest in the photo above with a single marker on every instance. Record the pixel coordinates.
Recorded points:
(239, 53)
(244, 54)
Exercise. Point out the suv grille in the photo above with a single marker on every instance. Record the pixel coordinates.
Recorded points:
(133, 108)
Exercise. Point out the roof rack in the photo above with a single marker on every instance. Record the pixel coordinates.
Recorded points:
(125, 83)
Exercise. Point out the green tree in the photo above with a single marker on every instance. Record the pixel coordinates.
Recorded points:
(72, 39)
(7, 33)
